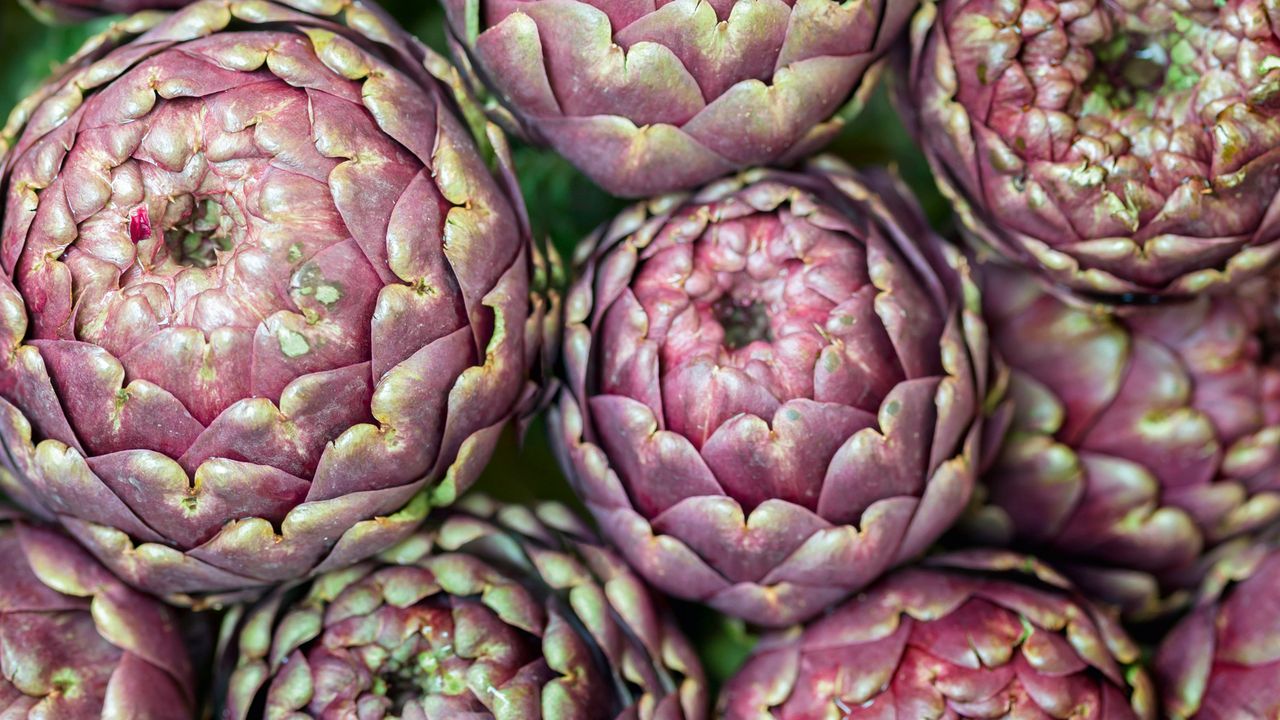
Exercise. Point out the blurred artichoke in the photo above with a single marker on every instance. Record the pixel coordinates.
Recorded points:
(76, 643)
(1222, 662)
(76, 10)
(265, 305)
(1119, 146)
(1141, 440)
(774, 388)
(969, 636)
(651, 96)
(501, 612)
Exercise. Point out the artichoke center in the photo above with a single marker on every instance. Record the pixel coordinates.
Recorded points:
(1133, 69)
(199, 239)
(745, 321)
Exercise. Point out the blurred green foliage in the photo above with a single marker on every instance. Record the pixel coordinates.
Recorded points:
(564, 207)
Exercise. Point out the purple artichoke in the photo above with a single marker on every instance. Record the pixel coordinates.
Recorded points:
(75, 10)
(651, 96)
(1222, 662)
(265, 305)
(499, 612)
(774, 388)
(1141, 441)
(969, 636)
(76, 643)
(1117, 146)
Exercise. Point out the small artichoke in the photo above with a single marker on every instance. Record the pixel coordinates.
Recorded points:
(1141, 440)
(76, 10)
(264, 303)
(76, 643)
(652, 96)
(502, 612)
(774, 388)
(975, 635)
(1120, 147)
(1222, 661)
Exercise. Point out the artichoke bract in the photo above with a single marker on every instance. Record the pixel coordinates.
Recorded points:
(774, 388)
(504, 612)
(1222, 662)
(974, 635)
(1141, 440)
(653, 96)
(78, 643)
(265, 304)
(1121, 148)
(76, 10)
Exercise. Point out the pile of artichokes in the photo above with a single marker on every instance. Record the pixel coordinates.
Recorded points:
(640, 359)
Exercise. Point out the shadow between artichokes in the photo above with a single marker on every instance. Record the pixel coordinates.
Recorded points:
(774, 388)
(495, 611)
(264, 303)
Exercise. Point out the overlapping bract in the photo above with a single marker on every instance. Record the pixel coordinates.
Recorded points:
(774, 388)
(652, 96)
(263, 302)
(501, 612)
(1141, 440)
(969, 636)
(76, 10)
(1117, 146)
(1222, 662)
(76, 643)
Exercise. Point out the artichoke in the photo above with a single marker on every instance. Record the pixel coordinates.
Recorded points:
(1141, 441)
(775, 388)
(75, 10)
(1122, 148)
(974, 635)
(76, 643)
(264, 303)
(498, 612)
(1222, 661)
(652, 96)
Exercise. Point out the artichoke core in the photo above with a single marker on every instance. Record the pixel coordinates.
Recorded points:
(197, 241)
(744, 322)
(1132, 68)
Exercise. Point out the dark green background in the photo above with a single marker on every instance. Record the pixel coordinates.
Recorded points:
(564, 207)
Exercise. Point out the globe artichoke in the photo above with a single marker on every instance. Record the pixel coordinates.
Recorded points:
(774, 388)
(1120, 147)
(652, 96)
(1222, 661)
(75, 10)
(965, 637)
(265, 305)
(1142, 440)
(76, 643)
(498, 612)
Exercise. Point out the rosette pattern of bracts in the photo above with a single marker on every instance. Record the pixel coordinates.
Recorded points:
(1222, 661)
(774, 388)
(501, 612)
(652, 96)
(1120, 147)
(972, 636)
(78, 644)
(1142, 440)
(263, 302)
